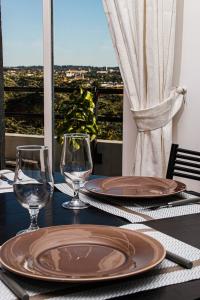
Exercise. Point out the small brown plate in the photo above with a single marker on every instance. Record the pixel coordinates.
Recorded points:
(134, 187)
(81, 253)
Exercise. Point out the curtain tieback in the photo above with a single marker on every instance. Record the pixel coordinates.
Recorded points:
(158, 116)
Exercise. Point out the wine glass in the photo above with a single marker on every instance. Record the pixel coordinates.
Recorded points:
(76, 165)
(33, 182)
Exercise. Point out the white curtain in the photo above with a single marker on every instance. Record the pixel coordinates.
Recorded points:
(143, 35)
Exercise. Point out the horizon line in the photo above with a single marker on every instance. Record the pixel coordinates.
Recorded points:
(41, 66)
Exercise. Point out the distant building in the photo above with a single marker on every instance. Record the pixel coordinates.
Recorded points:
(102, 72)
(76, 74)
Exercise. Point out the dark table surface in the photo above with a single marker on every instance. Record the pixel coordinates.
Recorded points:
(186, 228)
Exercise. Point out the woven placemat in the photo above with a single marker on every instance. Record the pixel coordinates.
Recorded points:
(136, 212)
(6, 179)
(167, 273)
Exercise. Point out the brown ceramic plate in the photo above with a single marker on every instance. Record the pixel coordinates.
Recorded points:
(134, 187)
(81, 253)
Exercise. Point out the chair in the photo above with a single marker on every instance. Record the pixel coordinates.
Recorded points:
(183, 163)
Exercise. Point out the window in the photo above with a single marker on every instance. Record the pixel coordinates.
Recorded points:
(83, 57)
(23, 72)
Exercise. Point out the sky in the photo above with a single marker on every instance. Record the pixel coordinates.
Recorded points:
(81, 35)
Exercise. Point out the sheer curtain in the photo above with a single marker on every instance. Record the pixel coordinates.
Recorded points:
(143, 35)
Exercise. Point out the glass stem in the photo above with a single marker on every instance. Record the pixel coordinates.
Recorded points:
(76, 190)
(33, 216)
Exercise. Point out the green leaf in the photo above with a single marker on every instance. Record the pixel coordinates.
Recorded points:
(78, 112)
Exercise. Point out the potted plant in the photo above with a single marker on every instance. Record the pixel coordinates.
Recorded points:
(78, 114)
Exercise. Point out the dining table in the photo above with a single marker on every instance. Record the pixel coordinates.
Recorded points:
(186, 228)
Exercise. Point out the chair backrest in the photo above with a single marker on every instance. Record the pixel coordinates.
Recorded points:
(183, 163)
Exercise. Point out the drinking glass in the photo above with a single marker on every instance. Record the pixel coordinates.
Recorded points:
(33, 182)
(76, 165)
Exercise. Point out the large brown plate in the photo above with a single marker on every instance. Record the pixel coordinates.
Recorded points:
(79, 253)
(134, 187)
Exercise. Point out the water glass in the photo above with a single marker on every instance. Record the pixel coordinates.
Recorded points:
(76, 165)
(33, 182)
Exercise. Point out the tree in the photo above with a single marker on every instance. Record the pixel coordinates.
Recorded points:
(2, 111)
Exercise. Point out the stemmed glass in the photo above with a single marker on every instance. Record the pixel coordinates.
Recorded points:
(33, 182)
(76, 165)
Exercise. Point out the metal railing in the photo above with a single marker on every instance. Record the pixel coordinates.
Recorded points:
(97, 157)
(97, 92)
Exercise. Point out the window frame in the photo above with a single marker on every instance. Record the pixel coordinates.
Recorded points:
(48, 64)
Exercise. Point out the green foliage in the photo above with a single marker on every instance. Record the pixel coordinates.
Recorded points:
(111, 131)
(66, 104)
(78, 115)
(23, 126)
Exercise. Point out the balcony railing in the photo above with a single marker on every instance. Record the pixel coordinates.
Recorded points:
(97, 92)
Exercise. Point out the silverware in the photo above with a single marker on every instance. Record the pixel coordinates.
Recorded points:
(21, 293)
(4, 178)
(175, 203)
(13, 285)
(179, 260)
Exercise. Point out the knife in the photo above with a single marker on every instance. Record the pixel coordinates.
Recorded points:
(13, 285)
(4, 178)
(179, 260)
(175, 203)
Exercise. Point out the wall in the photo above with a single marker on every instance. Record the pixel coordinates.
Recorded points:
(110, 151)
(186, 131)
(12, 140)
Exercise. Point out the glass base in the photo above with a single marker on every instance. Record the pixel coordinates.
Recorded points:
(27, 230)
(75, 204)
